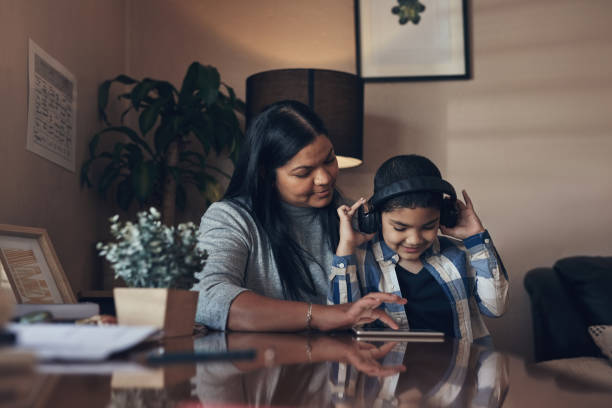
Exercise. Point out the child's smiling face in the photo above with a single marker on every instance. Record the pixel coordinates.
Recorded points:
(410, 231)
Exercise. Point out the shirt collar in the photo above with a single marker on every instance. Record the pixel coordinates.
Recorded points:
(387, 254)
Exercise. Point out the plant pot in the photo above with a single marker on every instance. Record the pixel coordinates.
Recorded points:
(171, 310)
(161, 377)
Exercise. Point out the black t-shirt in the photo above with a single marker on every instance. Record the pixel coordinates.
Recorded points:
(428, 307)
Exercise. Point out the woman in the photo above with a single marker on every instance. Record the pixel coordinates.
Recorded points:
(270, 239)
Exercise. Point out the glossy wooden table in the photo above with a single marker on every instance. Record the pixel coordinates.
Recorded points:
(293, 370)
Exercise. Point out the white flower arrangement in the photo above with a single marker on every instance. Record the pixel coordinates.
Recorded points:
(148, 254)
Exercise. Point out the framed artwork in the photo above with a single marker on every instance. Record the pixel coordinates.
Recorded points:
(436, 47)
(30, 268)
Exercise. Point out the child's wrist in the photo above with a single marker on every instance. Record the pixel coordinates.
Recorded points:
(345, 249)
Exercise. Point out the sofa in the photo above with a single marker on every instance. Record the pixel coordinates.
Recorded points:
(566, 299)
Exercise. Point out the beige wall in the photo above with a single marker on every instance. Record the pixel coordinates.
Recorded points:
(529, 137)
(87, 37)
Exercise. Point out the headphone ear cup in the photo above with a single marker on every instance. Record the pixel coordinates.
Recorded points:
(368, 221)
(449, 213)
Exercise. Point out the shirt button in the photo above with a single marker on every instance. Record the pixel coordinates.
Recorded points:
(487, 240)
(341, 265)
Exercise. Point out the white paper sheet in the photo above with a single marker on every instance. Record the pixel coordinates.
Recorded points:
(78, 343)
(52, 108)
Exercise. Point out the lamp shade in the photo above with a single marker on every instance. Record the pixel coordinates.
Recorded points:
(337, 97)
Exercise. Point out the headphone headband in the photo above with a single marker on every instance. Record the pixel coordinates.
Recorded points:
(412, 185)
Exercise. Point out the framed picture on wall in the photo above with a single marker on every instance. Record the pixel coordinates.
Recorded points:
(392, 47)
(29, 267)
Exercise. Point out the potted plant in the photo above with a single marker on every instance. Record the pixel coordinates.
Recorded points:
(159, 264)
(177, 129)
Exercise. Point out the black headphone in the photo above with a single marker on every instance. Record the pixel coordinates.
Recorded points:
(449, 213)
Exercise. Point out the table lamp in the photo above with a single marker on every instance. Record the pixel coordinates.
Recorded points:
(337, 97)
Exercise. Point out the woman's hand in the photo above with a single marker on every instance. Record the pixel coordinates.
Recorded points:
(364, 310)
(363, 356)
(468, 223)
(349, 238)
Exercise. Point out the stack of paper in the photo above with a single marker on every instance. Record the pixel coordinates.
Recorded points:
(78, 343)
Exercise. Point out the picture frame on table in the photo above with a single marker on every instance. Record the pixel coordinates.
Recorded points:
(30, 268)
(437, 48)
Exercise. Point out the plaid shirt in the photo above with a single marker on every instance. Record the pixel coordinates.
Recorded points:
(471, 274)
(475, 377)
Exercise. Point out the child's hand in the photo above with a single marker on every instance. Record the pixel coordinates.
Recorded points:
(468, 223)
(349, 238)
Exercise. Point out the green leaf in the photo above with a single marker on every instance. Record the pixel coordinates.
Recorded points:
(124, 79)
(103, 91)
(199, 160)
(164, 134)
(236, 147)
(134, 157)
(190, 80)
(125, 194)
(93, 144)
(223, 131)
(140, 91)
(212, 190)
(144, 178)
(165, 89)
(203, 133)
(240, 106)
(124, 113)
(117, 152)
(86, 166)
(218, 170)
(110, 173)
(149, 116)
(231, 93)
(181, 197)
(85, 173)
(208, 84)
(120, 129)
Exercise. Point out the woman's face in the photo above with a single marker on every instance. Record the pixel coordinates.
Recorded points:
(308, 179)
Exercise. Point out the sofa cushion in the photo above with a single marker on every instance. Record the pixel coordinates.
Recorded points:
(588, 280)
(559, 330)
(602, 336)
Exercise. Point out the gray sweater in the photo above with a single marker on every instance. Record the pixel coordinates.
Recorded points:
(240, 258)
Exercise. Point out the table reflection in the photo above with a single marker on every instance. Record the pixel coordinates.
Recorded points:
(290, 370)
(337, 371)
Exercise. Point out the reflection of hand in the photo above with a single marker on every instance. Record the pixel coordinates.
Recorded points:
(349, 238)
(362, 356)
(468, 223)
(299, 349)
(364, 310)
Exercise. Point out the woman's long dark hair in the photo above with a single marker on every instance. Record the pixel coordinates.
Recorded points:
(274, 137)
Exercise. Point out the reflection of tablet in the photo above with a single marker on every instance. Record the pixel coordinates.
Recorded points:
(387, 334)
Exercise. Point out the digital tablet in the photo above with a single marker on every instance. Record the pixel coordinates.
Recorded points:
(388, 334)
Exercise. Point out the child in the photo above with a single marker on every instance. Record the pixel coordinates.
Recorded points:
(447, 282)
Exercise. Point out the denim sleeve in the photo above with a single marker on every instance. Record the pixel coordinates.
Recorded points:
(343, 284)
(491, 278)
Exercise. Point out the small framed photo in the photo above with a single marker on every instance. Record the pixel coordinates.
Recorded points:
(391, 47)
(29, 267)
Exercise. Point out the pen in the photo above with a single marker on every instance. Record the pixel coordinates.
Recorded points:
(189, 357)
